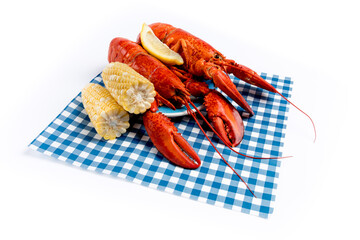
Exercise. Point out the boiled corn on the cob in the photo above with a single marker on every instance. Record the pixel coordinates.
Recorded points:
(108, 117)
(130, 89)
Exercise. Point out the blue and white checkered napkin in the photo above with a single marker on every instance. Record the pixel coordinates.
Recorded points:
(72, 138)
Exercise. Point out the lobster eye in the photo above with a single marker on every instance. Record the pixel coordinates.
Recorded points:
(217, 56)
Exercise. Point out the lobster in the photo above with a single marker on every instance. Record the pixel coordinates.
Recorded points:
(171, 91)
(201, 59)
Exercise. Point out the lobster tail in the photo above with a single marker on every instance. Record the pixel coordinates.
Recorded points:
(166, 83)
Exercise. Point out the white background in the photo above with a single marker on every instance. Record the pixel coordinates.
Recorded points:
(49, 51)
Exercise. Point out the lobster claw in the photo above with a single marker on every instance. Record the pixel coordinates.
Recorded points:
(225, 118)
(248, 75)
(223, 81)
(169, 142)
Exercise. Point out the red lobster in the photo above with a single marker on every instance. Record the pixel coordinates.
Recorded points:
(201, 59)
(172, 92)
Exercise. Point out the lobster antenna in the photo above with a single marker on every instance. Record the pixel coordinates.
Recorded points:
(217, 134)
(276, 91)
(300, 111)
(196, 120)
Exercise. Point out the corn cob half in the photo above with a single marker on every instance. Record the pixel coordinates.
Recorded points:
(130, 89)
(108, 117)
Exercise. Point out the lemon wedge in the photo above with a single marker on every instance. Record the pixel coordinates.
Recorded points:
(156, 48)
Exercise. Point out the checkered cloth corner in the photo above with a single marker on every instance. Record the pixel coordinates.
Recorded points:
(71, 137)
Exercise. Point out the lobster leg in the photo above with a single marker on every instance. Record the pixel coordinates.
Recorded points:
(169, 142)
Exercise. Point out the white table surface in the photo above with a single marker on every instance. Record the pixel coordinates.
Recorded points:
(49, 51)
